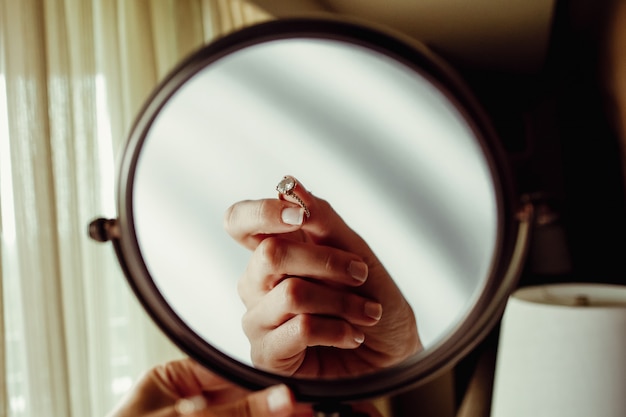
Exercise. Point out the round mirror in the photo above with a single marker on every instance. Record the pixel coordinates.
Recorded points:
(375, 126)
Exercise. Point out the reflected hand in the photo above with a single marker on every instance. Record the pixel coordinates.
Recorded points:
(185, 388)
(319, 302)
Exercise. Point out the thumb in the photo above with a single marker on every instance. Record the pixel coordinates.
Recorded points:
(276, 401)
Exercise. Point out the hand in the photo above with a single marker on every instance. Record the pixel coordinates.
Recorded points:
(185, 388)
(319, 302)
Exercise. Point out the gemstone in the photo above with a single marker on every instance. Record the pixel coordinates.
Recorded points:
(286, 184)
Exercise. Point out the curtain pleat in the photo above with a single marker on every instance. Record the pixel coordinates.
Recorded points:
(231, 15)
(76, 74)
(4, 406)
(37, 257)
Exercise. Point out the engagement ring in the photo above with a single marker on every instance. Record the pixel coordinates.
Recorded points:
(287, 186)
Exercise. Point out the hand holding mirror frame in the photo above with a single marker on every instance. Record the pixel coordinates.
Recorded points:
(185, 388)
(319, 302)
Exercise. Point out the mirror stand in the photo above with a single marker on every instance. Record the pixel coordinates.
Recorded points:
(103, 230)
(276, 86)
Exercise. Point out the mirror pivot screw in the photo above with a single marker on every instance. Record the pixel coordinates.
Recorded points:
(103, 230)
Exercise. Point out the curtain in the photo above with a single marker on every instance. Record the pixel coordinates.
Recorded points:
(73, 75)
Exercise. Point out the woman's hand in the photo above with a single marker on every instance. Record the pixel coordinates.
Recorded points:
(185, 388)
(319, 302)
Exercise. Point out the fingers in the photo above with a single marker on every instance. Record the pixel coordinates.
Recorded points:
(276, 258)
(298, 314)
(185, 388)
(296, 296)
(284, 349)
(248, 222)
(276, 401)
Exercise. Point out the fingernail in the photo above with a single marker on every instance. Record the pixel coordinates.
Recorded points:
(373, 310)
(359, 338)
(278, 399)
(190, 405)
(292, 215)
(358, 270)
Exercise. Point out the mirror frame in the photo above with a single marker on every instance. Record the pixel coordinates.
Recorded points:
(514, 217)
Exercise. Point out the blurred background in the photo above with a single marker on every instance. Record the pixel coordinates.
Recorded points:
(74, 73)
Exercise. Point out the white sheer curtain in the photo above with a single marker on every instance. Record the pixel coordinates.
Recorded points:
(73, 74)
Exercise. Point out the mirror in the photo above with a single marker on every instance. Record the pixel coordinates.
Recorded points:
(371, 123)
(237, 126)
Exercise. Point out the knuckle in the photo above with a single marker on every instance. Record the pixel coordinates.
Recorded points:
(294, 294)
(247, 324)
(331, 263)
(244, 288)
(301, 326)
(272, 252)
(252, 328)
(227, 221)
(257, 356)
(327, 332)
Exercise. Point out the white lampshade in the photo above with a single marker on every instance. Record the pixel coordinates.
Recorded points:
(562, 352)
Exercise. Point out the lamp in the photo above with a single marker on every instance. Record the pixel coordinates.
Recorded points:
(562, 352)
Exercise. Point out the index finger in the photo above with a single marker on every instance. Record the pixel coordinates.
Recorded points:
(250, 221)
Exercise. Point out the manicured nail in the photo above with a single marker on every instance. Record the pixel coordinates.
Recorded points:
(358, 270)
(292, 215)
(278, 399)
(190, 405)
(373, 310)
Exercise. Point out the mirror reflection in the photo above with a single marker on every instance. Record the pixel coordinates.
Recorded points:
(392, 174)
(315, 291)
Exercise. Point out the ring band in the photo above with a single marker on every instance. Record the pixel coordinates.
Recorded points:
(286, 187)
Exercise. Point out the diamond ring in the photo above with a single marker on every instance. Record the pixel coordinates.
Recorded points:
(286, 186)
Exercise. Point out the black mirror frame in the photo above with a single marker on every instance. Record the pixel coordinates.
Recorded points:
(514, 218)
